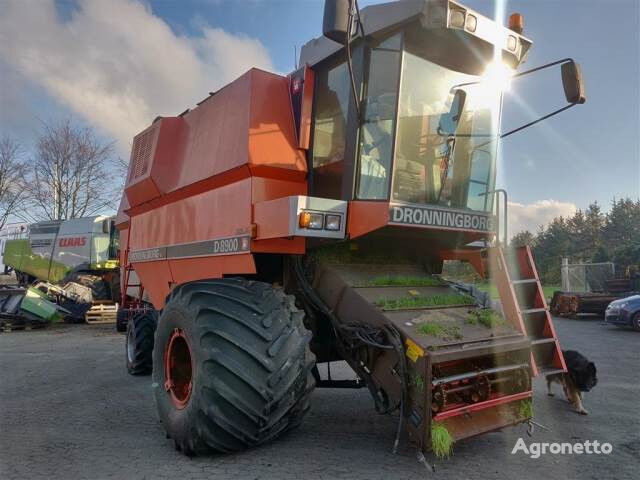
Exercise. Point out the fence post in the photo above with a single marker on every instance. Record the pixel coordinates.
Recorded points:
(564, 271)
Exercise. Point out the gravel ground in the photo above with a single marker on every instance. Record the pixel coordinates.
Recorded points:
(69, 410)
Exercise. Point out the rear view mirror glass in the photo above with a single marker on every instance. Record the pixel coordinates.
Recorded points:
(335, 22)
(572, 82)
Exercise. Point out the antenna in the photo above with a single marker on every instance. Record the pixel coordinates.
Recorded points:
(295, 58)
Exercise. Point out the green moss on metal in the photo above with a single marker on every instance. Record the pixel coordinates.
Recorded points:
(403, 281)
(424, 301)
(486, 316)
(440, 331)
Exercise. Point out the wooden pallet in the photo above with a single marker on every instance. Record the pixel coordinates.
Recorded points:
(12, 326)
(101, 312)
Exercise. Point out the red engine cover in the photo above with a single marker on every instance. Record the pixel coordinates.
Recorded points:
(154, 153)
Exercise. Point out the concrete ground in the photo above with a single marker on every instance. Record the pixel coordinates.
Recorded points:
(69, 410)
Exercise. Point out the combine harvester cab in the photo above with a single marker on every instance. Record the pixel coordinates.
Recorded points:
(291, 221)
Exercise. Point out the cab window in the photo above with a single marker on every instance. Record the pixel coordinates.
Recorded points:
(330, 129)
(378, 126)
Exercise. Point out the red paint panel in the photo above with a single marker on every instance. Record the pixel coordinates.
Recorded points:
(291, 246)
(272, 139)
(269, 188)
(226, 178)
(155, 153)
(365, 217)
(122, 219)
(191, 269)
(272, 218)
(156, 278)
(217, 134)
(213, 214)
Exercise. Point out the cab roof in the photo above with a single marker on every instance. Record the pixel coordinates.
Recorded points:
(377, 20)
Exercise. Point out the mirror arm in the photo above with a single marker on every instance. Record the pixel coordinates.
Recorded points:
(542, 67)
(566, 107)
(353, 10)
(521, 74)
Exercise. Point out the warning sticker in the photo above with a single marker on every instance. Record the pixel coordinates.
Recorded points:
(413, 350)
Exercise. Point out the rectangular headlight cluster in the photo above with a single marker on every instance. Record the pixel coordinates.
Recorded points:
(320, 221)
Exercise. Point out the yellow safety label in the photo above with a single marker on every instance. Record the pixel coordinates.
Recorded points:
(413, 350)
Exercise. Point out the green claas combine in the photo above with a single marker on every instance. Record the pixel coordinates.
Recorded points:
(290, 221)
(81, 250)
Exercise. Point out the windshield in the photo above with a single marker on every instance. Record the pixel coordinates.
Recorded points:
(432, 164)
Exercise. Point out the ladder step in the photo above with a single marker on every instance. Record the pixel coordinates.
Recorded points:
(549, 371)
(524, 280)
(541, 341)
(529, 311)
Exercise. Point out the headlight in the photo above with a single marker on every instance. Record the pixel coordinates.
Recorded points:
(332, 222)
(471, 23)
(311, 220)
(456, 19)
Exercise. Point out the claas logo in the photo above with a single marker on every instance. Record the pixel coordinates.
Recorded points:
(72, 242)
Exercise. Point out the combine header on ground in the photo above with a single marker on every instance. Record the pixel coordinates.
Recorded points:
(289, 221)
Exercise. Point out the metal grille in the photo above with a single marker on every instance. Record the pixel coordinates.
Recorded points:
(141, 155)
(586, 277)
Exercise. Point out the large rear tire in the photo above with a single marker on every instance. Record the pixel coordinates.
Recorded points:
(231, 365)
(139, 343)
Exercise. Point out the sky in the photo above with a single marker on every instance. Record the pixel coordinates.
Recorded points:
(116, 64)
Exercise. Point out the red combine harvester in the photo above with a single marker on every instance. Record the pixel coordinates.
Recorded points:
(289, 221)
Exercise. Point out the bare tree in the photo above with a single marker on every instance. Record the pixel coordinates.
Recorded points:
(72, 174)
(12, 174)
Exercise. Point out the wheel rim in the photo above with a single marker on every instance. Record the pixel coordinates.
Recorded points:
(178, 372)
(130, 345)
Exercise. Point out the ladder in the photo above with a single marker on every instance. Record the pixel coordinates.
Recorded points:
(128, 268)
(514, 273)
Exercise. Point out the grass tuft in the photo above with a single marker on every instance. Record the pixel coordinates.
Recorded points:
(526, 408)
(420, 301)
(485, 316)
(441, 441)
(440, 331)
(404, 281)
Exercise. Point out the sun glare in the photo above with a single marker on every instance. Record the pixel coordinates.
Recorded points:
(497, 76)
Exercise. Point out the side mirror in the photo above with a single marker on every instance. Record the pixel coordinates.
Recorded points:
(335, 23)
(572, 82)
(448, 123)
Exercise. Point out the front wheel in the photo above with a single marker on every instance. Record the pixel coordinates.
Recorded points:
(139, 343)
(231, 365)
(635, 321)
